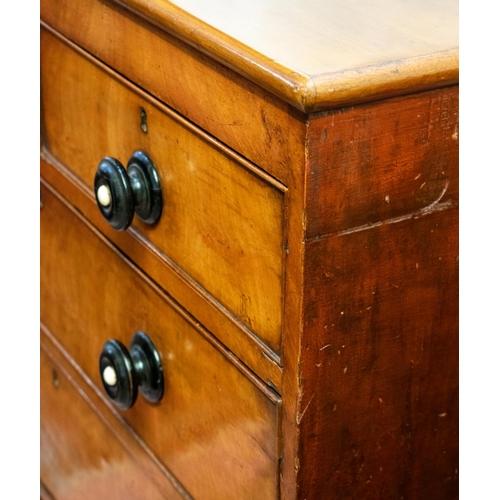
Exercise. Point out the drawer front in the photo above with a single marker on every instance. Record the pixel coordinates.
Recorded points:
(216, 428)
(79, 457)
(222, 221)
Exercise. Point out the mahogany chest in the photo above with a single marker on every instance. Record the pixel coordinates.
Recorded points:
(249, 249)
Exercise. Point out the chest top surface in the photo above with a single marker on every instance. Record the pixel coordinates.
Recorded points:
(318, 54)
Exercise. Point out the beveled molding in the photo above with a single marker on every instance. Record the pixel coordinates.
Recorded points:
(308, 93)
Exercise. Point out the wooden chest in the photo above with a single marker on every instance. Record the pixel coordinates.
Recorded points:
(298, 276)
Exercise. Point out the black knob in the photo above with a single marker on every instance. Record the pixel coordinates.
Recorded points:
(124, 373)
(120, 192)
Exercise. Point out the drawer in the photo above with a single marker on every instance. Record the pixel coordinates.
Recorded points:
(216, 427)
(79, 457)
(268, 131)
(223, 218)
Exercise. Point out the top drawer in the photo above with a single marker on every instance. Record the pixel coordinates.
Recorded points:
(223, 218)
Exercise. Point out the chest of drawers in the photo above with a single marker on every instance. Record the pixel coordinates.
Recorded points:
(301, 283)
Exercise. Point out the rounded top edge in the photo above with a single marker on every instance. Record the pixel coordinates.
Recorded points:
(358, 64)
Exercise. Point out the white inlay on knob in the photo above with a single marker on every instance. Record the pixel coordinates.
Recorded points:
(109, 375)
(104, 195)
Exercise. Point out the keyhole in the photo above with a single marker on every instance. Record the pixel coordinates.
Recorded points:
(55, 379)
(144, 121)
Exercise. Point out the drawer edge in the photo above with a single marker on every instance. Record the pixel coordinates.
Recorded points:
(145, 458)
(253, 376)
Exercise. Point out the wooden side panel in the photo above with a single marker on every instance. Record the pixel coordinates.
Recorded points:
(221, 223)
(239, 113)
(80, 458)
(371, 163)
(216, 428)
(379, 416)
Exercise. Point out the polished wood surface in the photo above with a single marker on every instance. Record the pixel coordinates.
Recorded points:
(375, 163)
(321, 54)
(379, 411)
(80, 457)
(378, 414)
(362, 164)
(116, 426)
(216, 427)
(250, 120)
(218, 216)
(239, 341)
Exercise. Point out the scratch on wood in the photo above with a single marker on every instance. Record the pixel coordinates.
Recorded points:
(437, 200)
(435, 206)
(261, 447)
(325, 346)
(301, 415)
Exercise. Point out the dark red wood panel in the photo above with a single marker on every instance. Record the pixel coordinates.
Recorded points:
(379, 411)
(384, 160)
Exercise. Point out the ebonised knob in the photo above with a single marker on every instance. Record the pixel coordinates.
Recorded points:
(119, 192)
(124, 373)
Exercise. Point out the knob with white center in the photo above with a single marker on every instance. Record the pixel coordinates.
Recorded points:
(121, 193)
(125, 372)
(109, 375)
(104, 195)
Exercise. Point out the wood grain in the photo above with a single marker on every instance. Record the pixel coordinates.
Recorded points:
(216, 428)
(369, 202)
(372, 163)
(321, 54)
(240, 341)
(238, 112)
(80, 458)
(219, 218)
(379, 413)
(144, 458)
